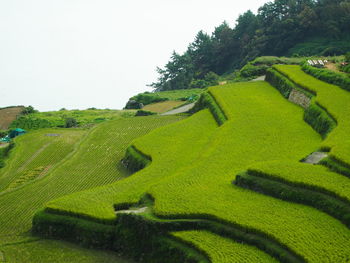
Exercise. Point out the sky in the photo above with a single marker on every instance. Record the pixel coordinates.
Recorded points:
(77, 54)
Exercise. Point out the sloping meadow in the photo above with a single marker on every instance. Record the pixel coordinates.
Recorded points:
(189, 185)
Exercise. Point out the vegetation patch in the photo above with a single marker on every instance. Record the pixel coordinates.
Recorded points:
(162, 107)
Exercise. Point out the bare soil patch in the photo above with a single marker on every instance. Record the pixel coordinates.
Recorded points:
(8, 115)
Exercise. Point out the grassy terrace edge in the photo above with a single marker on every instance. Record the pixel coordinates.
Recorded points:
(315, 115)
(314, 196)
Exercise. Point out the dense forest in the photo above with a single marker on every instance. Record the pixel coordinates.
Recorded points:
(282, 27)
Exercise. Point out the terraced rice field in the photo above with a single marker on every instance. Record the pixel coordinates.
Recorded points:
(76, 160)
(194, 164)
(163, 106)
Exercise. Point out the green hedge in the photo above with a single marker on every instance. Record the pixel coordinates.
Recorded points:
(277, 80)
(317, 117)
(206, 100)
(131, 236)
(4, 152)
(324, 202)
(336, 166)
(329, 76)
(135, 160)
(83, 232)
(144, 113)
(249, 70)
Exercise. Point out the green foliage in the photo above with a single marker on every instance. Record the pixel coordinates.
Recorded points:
(206, 100)
(70, 122)
(29, 110)
(249, 70)
(144, 113)
(84, 118)
(148, 97)
(319, 200)
(329, 76)
(319, 119)
(79, 160)
(314, 115)
(332, 99)
(281, 83)
(227, 252)
(135, 160)
(194, 162)
(292, 28)
(324, 46)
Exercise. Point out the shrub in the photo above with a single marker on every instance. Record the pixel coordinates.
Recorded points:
(144, 113)
(29, 110)
(250, 70)
(329, 76)
(70, 122)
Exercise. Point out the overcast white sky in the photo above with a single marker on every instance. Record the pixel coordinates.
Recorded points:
(96, 53)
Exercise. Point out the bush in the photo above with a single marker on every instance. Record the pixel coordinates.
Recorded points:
(135, 160)
(277, 80)
(250, 71)
(206, 100)
(147, 98)
(144, 113)
(29, 110)
(329, 76)
(324, 202)
(70, 122)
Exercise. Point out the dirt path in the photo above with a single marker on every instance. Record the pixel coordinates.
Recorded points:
(182, 109)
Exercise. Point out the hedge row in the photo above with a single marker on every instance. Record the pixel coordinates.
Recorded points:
(132, 236)
(315, 115)
(143, 237)
(206, 100)
(277, 80)
(4, 152)
(135, 160)
(336, 166)
(326, 203)
(329, 76)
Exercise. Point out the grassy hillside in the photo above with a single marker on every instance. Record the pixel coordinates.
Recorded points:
(163, 106)
(87, 159)
(84, 118)
(190, 178)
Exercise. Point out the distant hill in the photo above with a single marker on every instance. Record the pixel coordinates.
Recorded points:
(8, 115)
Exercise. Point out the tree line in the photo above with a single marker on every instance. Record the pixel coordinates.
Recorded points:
(277, 27)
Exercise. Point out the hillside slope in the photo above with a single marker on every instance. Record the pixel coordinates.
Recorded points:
(87, 159)
(188, 185)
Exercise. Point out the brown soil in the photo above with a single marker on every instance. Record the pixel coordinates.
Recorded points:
(8, 115)
(332, 66)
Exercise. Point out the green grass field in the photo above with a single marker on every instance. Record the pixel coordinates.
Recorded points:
(194, 163)
(163, 106)
(87, 158)
(84, 118)
(335, 101)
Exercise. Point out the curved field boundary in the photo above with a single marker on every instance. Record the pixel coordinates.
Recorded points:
(319, 198)
(332, 98)
(329, 76)
(207, 100)
(315, 115)
(53, 225)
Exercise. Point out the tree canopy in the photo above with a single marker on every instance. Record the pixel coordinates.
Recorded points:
(274, 30)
